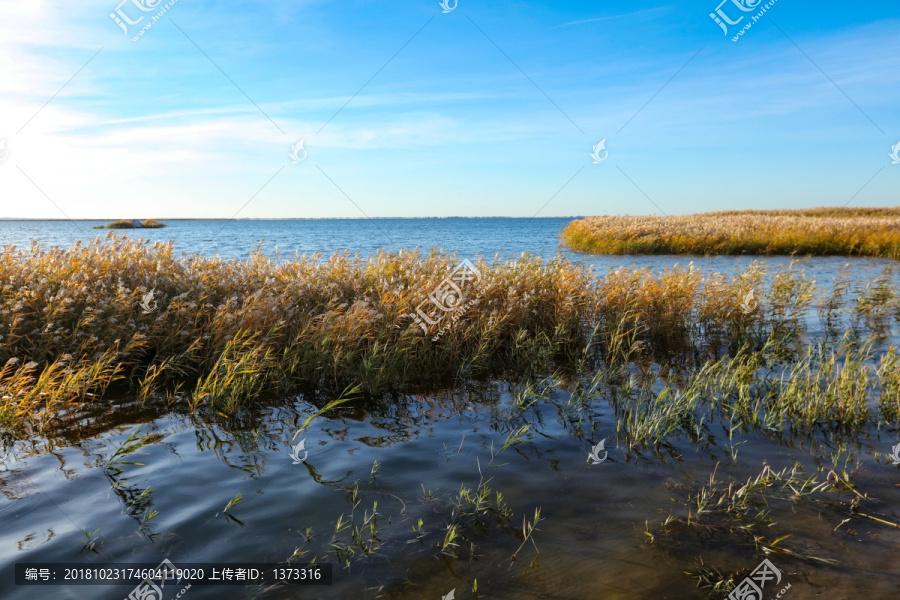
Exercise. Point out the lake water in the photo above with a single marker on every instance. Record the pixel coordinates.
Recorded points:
(469, 238)
(60, 487)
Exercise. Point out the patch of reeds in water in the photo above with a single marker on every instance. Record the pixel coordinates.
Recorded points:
(816, 232)
(135, 224)
(118, 316)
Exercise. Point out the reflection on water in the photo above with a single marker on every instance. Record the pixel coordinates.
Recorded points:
(404, 459)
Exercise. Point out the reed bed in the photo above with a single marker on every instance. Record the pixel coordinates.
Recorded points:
(812, 232)
(120, 317)
(126, 224)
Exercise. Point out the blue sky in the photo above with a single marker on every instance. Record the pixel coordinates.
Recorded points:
(449, 126)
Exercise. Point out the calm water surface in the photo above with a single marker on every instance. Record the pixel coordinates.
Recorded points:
(591, 538)
(469, 238)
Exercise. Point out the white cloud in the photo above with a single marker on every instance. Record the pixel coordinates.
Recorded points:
(96, 156)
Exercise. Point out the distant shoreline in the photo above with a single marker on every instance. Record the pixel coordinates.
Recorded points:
(15, 219)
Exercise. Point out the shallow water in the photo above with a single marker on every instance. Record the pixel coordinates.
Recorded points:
(591, 537)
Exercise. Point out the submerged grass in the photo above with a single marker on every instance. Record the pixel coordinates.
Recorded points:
(841, 387)
(745, 512)
(819, 232)
(119, 316)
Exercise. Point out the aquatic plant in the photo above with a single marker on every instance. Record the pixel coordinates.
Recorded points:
(125, 317)
(88, 542)
(137, 500)
(818, 232)
(745, 512)
(122, 224)
(363, 536)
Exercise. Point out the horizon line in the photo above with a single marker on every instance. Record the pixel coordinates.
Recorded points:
(281, 218)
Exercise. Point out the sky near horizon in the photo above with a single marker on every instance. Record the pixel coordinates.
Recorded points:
(490, 109)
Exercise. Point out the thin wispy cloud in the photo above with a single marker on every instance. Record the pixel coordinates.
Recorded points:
(637, 13)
